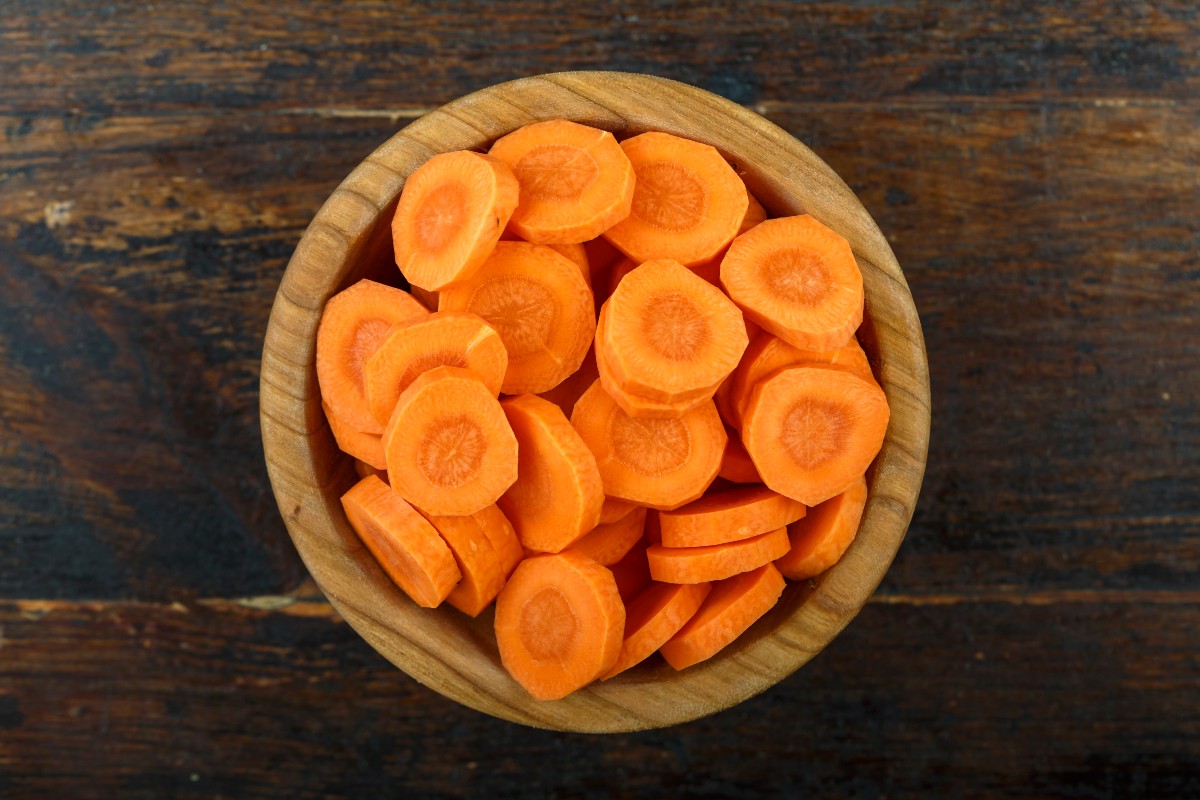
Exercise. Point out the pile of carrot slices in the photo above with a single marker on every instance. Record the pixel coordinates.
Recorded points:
(625, 409)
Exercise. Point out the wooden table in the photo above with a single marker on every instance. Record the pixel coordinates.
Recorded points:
(1037, 169)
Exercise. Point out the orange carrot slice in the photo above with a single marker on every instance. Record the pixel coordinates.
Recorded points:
(559, 623)
(797, 279)
(715, 562)
(687, 201)
(608, 544)
(366, 447)
(577, 255)
(653, 618)
(729, 610)
(353, 325)
(449, 449)
(576, 181)
(408, 548)
(614, 509)
(482, 573)
(723, 517)
(736, 464)
(451, 213)
(812, 431)
(568, 392)
(503, 537)
(820, 539)
(557, 496)
(632, 573)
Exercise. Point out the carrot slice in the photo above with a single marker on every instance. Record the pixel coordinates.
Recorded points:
(755, 213)
(355, 322)
(446, 338)
(812, 430)
(568, 392)
(452, 211)
(729, 610)
(449, 449)
(559, 623)
(614, 509)
(608, 544)
(736, 464)
(723, 517)
(557, 496)
(403, 542)
(576, 181)
(653, 618)
(632, 573)
(577, 255)
(661, 463)
(820, 539)
(502, 536)
(482, 572)
(715, 562)
(687, 202)
(366, 447)
(540, 305)
(797, 279)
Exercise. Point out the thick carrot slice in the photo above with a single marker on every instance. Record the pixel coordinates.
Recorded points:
(557, 496)
(653, 618)
(797, 279)
(576, 181)
(451, 213)
(715, 562)
(614, 509)
(540, 305)
(353, 325)
(661, 463)
(502, 536)
(482, 572)
(687, 204)
(723, 517)
(632, 573)
(366, 447)
(812, 431)
(729, 610)
(820, 539)
(407, 547)
(608, 544)
(450, 451)
(559, 623)
(568, 392)
(447, 338)
(736, 465)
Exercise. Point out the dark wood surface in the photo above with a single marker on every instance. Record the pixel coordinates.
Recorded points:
(1036, 167)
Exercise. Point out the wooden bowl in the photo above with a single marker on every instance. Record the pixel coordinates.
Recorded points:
(350, 238)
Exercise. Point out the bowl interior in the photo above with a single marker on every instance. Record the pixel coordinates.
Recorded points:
(350, 239)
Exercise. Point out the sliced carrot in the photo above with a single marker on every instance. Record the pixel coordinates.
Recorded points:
(568, 392)
(482, 572)
(578, 256)
(755, 213)
(797, 279)
(653, 618)
(407, 547)
(687, 202)
(736, 464)
(812, 430)
(722, 517)
(715, 562)
(614, 509)
(503, 537)
(559, 623)
(353, 325)
(538, 302)
(576, 181)
(632, 573)
(450, 451)
(451, 213)
(730, 609)
(557, 496)
(820, 539)
(608, 544)
(366, 447)
(661, 463)
(446, 338)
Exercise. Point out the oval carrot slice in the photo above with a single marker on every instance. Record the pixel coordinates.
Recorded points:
(502, 536)
(715, 562)
(576, 181)
(723, 517)
(653, 618)
(355, 322)
(812, 430)
(482, 574)
(559, 623)
(538, 302)
(736, 464)
(797, 279)
(632, 573)
(446, 338)
(820, 539)
(661, 463)
(558, 493)
(614, 509)
(451, 213)
(408, 548)
(449, 448)
(366, 447)
(608, 544)
(569, 390)
(730, 609)
(687, 201)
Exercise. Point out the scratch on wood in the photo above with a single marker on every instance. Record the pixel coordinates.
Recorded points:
(393, 114)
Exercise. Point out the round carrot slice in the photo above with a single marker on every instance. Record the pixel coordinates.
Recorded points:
(366, 447)
(576, 181)
(813, 430)
(451, 213)
(449, 449)
(797, 279)
(736, 464)
(538, 302)
(660, 463)
(653, 618)
(715, 562)
(687, 201)
(608, 544)
(614, 509)
(820, 539)
(446, 338)
(722, 517)
(482, 572)
(503, 537)
(559, 623)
